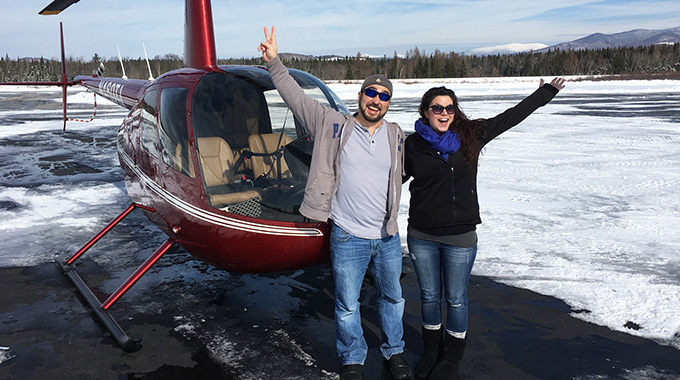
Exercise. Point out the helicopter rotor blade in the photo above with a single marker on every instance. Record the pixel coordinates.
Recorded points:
(55, 7)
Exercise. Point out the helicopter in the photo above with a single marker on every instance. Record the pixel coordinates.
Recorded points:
(212, 155)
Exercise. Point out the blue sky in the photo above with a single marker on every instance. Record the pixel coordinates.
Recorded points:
(314, 27)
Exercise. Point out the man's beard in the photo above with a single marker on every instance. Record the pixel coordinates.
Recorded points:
(369, 118)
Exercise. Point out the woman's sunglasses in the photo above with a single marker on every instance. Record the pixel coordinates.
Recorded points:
(372, 93)
(437, 109)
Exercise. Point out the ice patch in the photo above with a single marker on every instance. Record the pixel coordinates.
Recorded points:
(5, 354)
(580, 202)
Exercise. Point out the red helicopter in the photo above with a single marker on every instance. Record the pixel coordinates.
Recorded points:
(213, 156)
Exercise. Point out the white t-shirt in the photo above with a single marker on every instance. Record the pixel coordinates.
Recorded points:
(360, 204)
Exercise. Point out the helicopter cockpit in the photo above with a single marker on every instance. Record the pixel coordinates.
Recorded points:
(253, 154)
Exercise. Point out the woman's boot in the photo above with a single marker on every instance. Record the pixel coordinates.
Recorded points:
(447, 368)
(432, 340)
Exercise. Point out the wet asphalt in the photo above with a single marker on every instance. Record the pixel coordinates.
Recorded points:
(198, 322)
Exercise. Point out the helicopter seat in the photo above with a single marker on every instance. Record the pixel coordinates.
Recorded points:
(217, 163)
(267, 143)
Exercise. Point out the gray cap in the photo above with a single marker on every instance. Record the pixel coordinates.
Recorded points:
(377, 79)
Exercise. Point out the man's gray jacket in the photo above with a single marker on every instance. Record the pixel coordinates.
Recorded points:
(326, 126)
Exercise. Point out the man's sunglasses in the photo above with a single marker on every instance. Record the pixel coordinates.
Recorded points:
(372, 93)
(437, 109)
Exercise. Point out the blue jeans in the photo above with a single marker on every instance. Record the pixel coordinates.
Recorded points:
(351, 256)
(440, 265)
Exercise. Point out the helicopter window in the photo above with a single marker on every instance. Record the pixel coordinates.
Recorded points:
(231, 108)
(173, 129)
(149, 137)
(282, 118)
(254, 155)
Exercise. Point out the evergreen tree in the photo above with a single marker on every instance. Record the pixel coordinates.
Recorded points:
(649, 60)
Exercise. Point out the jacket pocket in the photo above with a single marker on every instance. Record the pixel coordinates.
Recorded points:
(319, 192)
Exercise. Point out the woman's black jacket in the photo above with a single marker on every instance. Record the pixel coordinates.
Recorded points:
(444, 193)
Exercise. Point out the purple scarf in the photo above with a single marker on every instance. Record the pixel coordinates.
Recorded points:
(446, 143)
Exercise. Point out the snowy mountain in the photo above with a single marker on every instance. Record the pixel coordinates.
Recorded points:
(637, 37)
(631, 38)
(505, 49)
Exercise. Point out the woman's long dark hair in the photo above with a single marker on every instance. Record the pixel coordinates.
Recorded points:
(467, 129)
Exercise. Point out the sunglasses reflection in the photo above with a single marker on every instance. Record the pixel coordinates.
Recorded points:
(371, 93)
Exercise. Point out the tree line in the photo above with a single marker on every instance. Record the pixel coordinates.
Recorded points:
(647, 61)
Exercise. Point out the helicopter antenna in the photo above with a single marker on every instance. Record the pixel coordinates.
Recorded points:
(121, 63)
(147, 62)
(63, 71)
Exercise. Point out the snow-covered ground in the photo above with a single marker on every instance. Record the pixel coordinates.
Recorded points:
(581, 201)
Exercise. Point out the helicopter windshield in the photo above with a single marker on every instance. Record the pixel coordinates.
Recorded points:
(254, 155)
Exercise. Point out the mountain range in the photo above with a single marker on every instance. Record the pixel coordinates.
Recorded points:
(631, 38)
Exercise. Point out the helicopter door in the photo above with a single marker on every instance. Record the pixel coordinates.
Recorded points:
(149, 154)
(177, 173)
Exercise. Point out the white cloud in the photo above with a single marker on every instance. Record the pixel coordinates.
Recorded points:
(378, 27)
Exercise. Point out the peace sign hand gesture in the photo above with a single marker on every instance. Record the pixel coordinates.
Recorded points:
(268, 47)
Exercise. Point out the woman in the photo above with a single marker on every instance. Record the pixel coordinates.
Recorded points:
(442, 159)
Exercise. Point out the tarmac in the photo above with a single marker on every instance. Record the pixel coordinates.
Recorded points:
(198, 322)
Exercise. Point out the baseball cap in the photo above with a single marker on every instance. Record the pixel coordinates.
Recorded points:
(377, 79)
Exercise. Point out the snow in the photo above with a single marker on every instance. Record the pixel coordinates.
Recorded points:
(506, 49)
(5, 354)
(581, 201)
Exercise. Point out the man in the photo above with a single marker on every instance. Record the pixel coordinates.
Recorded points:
(355, 180)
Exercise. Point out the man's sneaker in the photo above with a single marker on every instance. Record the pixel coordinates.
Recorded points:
(398, 367)
(351, 372)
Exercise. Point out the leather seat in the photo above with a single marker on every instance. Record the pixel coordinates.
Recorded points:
(217, 164)
(267, 165)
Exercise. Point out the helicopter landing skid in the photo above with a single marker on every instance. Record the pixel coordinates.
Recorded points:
(101, 310)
